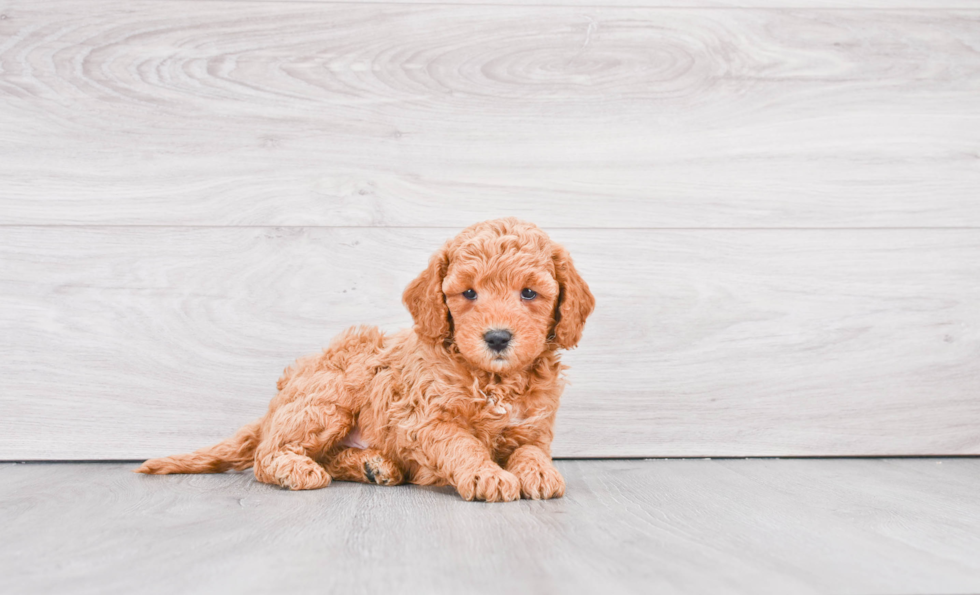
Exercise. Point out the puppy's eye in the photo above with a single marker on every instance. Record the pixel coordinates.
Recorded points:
(528, 294)
(469, 294)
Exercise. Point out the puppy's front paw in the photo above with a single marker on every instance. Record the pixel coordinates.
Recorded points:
(540, 482)
(490, 483)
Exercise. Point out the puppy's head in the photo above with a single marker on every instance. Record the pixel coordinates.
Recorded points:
(503, 292)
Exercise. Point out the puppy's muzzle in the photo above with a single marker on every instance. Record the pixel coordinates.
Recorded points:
(497, 339)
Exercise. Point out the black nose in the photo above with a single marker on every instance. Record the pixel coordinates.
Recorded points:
(497, 339)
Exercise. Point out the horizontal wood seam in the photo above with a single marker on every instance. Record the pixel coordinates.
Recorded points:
(456, 227)
(607, 6)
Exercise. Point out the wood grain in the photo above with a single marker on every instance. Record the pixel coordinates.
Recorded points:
(688, 4)
(283, 113)
(671, 527)
(136, 342)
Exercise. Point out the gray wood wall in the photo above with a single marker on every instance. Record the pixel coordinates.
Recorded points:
(776, 202)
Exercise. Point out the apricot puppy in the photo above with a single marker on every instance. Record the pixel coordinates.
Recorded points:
(466, 398)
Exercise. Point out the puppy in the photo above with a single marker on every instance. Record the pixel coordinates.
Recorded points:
(466, 398)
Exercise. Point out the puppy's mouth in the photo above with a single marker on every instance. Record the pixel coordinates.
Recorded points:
(499, 359)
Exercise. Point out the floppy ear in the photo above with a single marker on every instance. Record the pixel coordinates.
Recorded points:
(575, 301)
(427, 303)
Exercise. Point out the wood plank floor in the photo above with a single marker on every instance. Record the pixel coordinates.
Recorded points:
(627, 526)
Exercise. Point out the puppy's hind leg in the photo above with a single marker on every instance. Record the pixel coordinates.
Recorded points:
(365, 465)
(299, 438)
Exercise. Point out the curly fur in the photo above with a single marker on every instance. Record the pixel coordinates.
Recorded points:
(431, 405)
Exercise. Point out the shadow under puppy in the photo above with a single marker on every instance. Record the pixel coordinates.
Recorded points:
(467, 397)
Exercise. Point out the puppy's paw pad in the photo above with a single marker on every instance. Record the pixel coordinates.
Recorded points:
(381, 471)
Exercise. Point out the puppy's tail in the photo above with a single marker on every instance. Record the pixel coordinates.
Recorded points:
(233, 453)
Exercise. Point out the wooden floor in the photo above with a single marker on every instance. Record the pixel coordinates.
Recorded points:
(626, 526)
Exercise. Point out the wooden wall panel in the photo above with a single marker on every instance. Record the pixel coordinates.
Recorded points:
(126, 343)
(775, 201)
(280, 113)
(688, 4)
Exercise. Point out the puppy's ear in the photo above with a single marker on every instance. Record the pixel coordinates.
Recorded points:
(427, 303)
(575, 301)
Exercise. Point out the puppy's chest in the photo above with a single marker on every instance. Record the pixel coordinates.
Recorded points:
(503, 415)
(503, 418)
